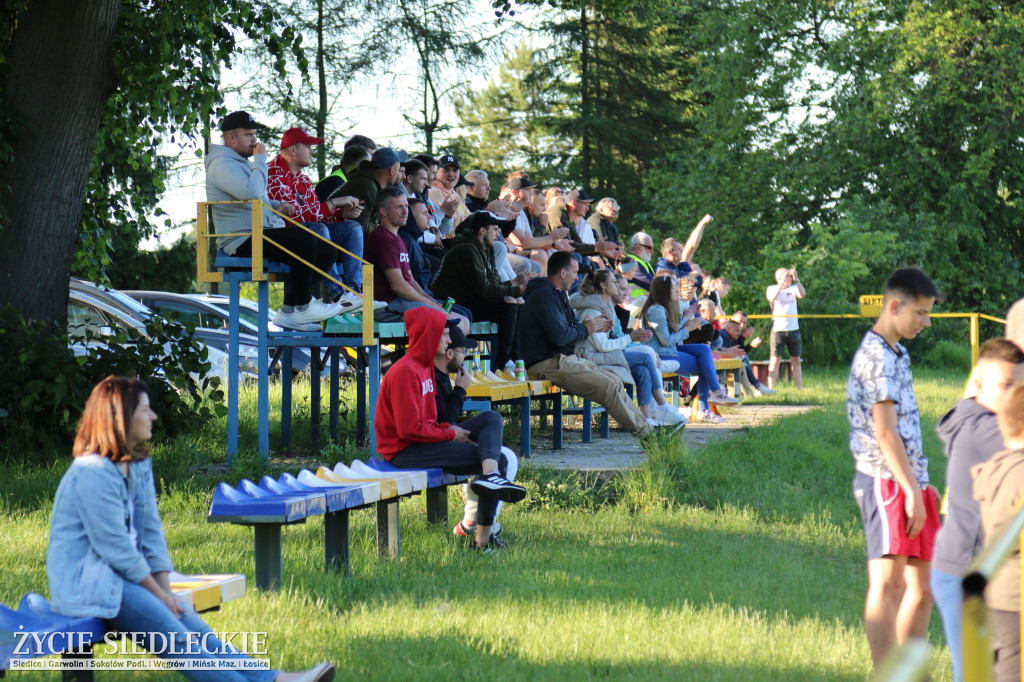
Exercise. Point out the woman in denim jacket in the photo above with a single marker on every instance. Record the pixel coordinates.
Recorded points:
(661, 315)
(107, 557)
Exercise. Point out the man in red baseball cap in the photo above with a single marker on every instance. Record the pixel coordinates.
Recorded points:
(333, 218)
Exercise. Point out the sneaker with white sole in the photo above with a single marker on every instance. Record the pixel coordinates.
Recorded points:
(720, 397)
(668, 414)
(495, 544)
(461, 530)
(350, 300)
(287, 321)
(654, 423)
(764, 390)
(709, 417)
(498, 486)
(317, 311)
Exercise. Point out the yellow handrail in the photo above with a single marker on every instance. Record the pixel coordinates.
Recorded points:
(203, 235)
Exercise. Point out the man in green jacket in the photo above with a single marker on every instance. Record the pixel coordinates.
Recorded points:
(468, 275)
(366, 182)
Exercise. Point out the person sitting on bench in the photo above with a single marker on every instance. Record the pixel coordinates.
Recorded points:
(231, 176)
(449, 400)
(410, 436)
(107, 557)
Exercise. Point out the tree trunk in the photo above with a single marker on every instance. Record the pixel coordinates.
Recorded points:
(585, 96)
(60, 76)
(321, 74)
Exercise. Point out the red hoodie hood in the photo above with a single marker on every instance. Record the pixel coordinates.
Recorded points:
(425, 326)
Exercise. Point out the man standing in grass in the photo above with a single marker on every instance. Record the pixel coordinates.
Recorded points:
(900, 510)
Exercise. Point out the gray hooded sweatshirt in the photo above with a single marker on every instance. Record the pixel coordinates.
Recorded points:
(232, 177)
(970, 436)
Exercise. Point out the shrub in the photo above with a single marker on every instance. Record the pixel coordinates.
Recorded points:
(44, 386)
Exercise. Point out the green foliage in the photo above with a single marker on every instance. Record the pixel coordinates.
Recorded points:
(44, 386)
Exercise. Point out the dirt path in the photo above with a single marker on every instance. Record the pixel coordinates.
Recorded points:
(622, 451)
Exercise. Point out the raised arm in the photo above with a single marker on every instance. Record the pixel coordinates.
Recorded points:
(693, 242)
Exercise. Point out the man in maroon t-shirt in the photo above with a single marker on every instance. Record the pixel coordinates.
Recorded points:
(393, 282)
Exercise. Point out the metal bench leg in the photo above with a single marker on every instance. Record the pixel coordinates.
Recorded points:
(373, 357)
(360, 395)
(524, 426)
(389, 532)
(263, 380)
(437, 505)
(556, 423)
(335, 386)
(588, 421)
(337, 556)
(269, 566)
(286, 397)
(84, 654)
(314, 394)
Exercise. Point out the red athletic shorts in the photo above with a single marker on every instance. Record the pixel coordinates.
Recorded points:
(883, 511)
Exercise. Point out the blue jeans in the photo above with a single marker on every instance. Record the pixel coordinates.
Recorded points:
(142, 615)
(949, 598)
(645, 373)
(348, 234)
(695, 358)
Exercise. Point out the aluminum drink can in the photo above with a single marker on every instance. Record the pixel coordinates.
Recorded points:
(449, 302)
(520, 370)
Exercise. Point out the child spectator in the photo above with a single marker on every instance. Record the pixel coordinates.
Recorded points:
(900, 510)
(999, 489)
(661, 315)
(970, 436)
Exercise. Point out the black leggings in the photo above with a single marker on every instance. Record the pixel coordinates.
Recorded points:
(298, 285)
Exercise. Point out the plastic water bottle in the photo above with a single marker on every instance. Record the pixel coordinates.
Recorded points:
(476, 362)
(510, 367)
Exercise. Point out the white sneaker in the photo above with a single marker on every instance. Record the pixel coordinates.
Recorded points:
(287, 321)
(377, 305)
(350, 300)
(709, 417)
(720, 397)
(764, 390)
(669, 414)
(317, 311)
(654, 423)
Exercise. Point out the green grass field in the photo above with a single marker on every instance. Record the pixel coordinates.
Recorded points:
(739, 561)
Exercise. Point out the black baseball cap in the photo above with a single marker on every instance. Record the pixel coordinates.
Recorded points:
(521, 183)
(459, 339)
(463, 182)
(448, 160)
(578, 195)
(240, 119)
(474, 221)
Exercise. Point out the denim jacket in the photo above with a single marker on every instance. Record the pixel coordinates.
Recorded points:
(664, 340)
(91, 551)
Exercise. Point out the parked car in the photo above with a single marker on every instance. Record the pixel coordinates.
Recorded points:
(91, 309)
(207, 315)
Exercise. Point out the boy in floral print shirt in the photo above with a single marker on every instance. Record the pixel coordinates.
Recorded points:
(900, 510)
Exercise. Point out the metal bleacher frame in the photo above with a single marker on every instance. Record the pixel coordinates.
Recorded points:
(255, 269)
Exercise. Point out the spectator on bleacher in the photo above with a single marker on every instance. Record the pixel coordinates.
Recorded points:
(734, 335)
(423, 265)
(602, 222)
(449, 400)
(970, 436)
(469, 275)
(442, 190)
(782, 297)
(520, 194)
(230, 176)
(333, 218)
(107, 557)
(661, 315)
(999, 488)
(416, 182)
(554, 193)
(548, 334)
(479, 195)
(410, 436)
(367, 181)
(572, 214)
(679, 257)
(899, 509)
(641, 247)
(616, 351)
(353, 154)
(393, 282)
(719, 288)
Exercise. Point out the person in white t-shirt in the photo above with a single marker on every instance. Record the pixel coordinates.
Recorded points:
(785, 330)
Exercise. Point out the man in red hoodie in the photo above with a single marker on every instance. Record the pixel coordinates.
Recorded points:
(410, 437)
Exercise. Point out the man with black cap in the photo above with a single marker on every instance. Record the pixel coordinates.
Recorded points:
(333, 218)
(581, 235)
(443, 188)
(519, 191)
(231, 176)
(449, 400)
(469, 275)
(366, 182)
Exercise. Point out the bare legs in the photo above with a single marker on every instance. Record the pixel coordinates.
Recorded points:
(898, 605)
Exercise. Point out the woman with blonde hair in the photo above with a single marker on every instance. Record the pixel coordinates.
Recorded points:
(107, 557)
